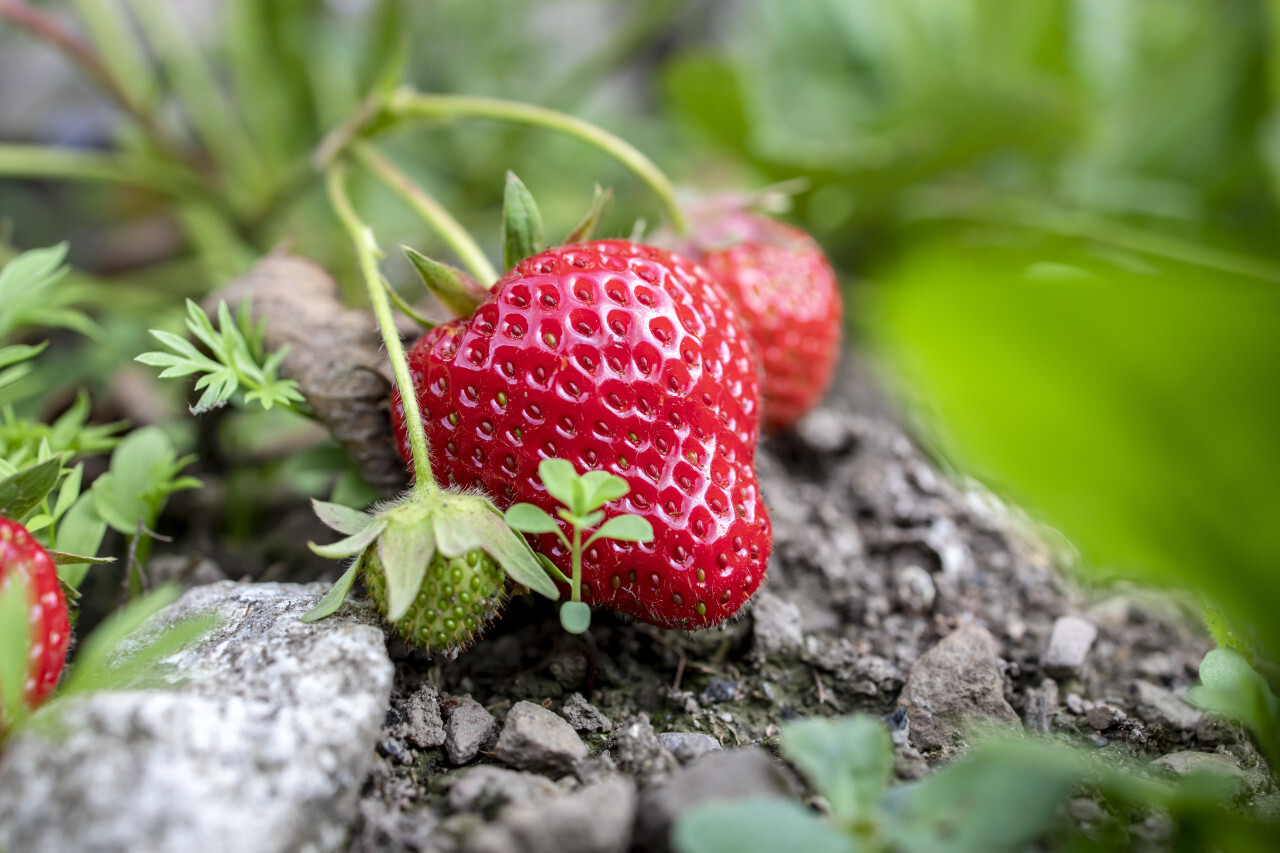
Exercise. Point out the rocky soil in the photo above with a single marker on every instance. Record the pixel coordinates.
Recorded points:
(891, 588)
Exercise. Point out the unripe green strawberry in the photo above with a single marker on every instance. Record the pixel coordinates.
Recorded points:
(458, 599)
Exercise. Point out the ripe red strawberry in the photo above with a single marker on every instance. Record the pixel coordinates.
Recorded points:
(622, 358)
(23, 558)
(788, 295)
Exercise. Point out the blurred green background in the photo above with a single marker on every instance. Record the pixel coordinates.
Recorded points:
(1056, 220)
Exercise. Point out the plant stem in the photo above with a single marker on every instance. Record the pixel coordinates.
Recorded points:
(431, 211)
(51, 31)
(577, 563)
(367, 252)
(406, 103)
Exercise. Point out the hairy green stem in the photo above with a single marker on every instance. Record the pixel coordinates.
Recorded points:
(577, 563)
(431, 211)
(406, 103)
(367, 253)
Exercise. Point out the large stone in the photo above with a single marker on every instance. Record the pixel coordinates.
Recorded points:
(594, 819)
(260, 746)
(538, 740)
(722, 775)
(955, 684)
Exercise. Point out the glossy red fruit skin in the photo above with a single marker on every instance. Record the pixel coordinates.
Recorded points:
(617, 357)
(24, 558)
(787, 292)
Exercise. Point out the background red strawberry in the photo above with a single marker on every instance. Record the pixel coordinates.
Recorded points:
(788, 295)
(23, 558)
(623, 358)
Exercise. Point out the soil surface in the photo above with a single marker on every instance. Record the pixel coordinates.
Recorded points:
(877, 557)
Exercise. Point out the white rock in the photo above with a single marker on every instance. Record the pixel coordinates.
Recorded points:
(261, 746)
(1069, 644)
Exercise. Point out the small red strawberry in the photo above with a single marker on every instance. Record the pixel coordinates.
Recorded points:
(22, 558)
(620, 358)
(787, 293)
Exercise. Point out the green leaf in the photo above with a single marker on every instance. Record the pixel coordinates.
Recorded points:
(600, 201)
(1000, 798)
(80, 532)
(1234, 689)
(336, 595)
(528, 518)
(405, 550)
(521, 223)
(1224, 634)
(22, 492)
(575, 616)
(143, 473)
(624, 528)
(1143, 446)
(352, 545)
(62, 558)
(848, 760)
(29, 295)
(558, 475)
(15, 643)
(456, 290)
(68, 492)
(583, 522)
(237, 361)
(20, 352)
(758, 825)
(111, 659)
(341, 518)
(602, 487)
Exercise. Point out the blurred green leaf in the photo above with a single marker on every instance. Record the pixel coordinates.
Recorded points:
(848, 760)
(80, 532)
(144, 472)
(115, 657)
(1000, 798)
(758, 825)
(1231, 687)
(22, 492)
(1125, 409)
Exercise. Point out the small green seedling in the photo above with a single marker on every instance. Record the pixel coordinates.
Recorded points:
(582, 497)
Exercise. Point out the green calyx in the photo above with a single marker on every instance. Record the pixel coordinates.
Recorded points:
(435, 562)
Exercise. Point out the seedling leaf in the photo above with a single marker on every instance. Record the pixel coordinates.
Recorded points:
(624, 528)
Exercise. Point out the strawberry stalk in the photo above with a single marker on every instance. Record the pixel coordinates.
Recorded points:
(367, 254)
(436, 562)
(406, 103)
(431, 211)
